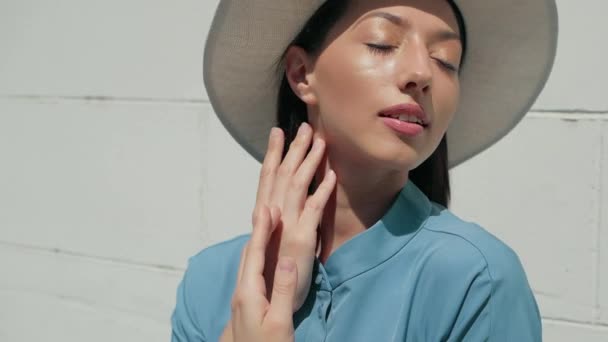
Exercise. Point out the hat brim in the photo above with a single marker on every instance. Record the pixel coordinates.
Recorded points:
(511, 47)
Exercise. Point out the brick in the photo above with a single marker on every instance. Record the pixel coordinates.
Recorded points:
(603, 233)
(575, 84)
(231, 185)
(115, 180)
(555, 331)
(141, 49)
(82, 299)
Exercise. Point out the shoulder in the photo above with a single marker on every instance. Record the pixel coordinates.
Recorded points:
(208, 259)
(467, 244)
(212, 266)
(484, 272)
(208, 284)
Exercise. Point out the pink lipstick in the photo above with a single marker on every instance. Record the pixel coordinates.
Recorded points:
(406, 118)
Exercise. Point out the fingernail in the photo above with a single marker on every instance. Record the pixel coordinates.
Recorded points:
(287, 265)
(274, 132)
(303, 128)
(317, 145)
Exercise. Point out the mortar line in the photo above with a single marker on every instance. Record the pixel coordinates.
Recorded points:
(570, 111)
(83, 302)
(575, 323)
(59, 251)
(203, 127)
(598, 244)
(569, 116)
(102, 98)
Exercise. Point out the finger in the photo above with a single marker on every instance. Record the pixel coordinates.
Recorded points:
(271, 163)
(255, 256)
(313, 209)
(293, 159)
(298, 190)
(283, 291)
(242, 263)
(275, 216)
(252, 289)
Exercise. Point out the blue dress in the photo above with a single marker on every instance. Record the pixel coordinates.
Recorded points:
(419, 274)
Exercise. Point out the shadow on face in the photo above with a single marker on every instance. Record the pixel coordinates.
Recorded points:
(377, 56)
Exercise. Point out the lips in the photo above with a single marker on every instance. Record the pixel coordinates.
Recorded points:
(407, 112)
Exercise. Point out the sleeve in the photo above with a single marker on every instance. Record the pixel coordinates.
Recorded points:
(499, 306)
(183, 327)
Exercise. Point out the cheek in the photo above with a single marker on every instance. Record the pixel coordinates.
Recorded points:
(446, 101)
(445, 98)
(344, 85)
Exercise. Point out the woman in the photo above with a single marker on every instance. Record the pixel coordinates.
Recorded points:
(352, 240)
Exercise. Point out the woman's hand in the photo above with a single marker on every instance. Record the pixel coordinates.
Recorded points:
(285, 185)
(254, 317)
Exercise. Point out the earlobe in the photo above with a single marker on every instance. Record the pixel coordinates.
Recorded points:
(298, 67)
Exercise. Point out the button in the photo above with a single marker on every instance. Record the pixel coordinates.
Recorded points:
(319, 279)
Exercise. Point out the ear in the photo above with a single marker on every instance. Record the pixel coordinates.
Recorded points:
(298, 69)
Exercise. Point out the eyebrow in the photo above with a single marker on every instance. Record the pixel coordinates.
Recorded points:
(399, 21)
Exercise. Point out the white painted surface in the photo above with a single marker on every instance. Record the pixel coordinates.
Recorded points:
(115, 180)
(560, 331)
(602, 244)
(231, 185)
(114, 170)
(131, 48)
(578, 80)
(539, 193)
(49, 296)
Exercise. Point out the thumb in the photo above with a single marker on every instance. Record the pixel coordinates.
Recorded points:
(284, 289)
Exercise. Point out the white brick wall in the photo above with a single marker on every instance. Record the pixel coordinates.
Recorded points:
(114, 170)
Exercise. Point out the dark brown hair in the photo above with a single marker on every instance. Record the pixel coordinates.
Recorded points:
(432, 175)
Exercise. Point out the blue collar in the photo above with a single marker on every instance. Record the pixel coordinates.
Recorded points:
(379, 242)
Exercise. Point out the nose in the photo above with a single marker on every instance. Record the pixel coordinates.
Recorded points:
(415, 69)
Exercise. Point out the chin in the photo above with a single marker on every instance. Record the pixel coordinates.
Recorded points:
(403, 158)
(389, 153)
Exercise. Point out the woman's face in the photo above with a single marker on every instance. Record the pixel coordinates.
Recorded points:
(381, 55)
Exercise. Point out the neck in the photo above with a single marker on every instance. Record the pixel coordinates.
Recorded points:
(361, 197)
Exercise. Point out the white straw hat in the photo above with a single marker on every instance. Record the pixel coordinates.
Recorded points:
(511, 47)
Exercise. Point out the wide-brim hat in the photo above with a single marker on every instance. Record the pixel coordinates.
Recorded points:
(511, 47)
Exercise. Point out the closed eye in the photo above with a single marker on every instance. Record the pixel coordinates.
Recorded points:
(387, 49)
(446, 65)
(380, 49)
